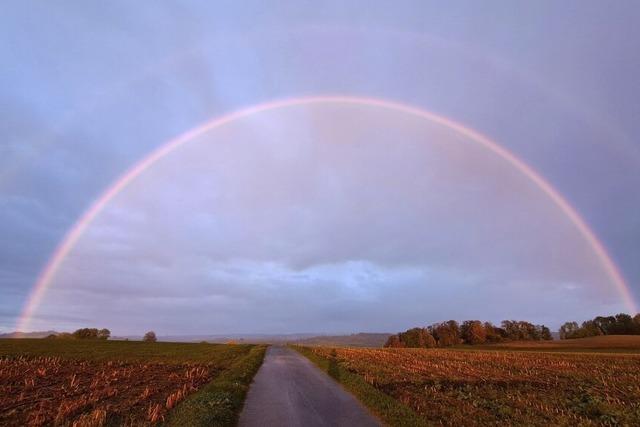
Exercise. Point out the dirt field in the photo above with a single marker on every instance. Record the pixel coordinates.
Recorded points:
(604, 343)
(453, 387)
(78, 387)
(50, 390)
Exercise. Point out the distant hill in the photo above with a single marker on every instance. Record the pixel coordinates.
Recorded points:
(242, 338)
(311, 339)
(39, 334)
(354, 340)
(223, 338)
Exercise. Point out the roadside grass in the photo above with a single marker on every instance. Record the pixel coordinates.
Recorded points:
(386, 408)
(219, 403)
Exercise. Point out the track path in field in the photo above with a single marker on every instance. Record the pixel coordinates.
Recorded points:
(289, 390)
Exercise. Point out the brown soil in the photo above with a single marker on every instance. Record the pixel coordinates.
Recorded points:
(54, 391)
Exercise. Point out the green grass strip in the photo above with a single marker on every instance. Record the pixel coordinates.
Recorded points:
(219, 403)
(388, 409)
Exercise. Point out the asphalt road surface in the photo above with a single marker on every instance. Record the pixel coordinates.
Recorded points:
(289, 390)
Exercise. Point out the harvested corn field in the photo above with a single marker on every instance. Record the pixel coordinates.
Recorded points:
(458, 387)
(58, 389)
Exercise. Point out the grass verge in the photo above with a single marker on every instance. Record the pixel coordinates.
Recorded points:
(388, 409)
(219, 403)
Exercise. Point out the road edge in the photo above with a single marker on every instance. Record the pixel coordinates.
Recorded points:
(220, 402)
(383, 406)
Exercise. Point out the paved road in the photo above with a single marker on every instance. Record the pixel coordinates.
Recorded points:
(289, 390)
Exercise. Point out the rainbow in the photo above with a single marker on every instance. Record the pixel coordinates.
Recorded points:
(71, 238)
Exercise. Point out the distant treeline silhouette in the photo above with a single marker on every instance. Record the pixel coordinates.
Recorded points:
(83, 334)
(472, 332)
(620, 324)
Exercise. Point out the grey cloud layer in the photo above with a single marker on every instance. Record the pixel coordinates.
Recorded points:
(77, 111)
(327, 212)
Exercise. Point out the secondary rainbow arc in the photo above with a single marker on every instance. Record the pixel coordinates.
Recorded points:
(66, 245)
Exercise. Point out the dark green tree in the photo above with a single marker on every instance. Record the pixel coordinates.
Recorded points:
(568, 330)
(86, 334)
(150, 337)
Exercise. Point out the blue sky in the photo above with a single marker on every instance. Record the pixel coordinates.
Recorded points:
(88, 89)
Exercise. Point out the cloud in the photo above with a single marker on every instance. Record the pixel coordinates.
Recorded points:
(327, 212)
(290, 191)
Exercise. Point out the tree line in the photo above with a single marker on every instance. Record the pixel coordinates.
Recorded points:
(620, 324)
(96, 334)
(473, 332)
(84, 334)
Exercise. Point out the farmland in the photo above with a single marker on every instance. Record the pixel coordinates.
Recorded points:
(599, 344)
(472, 387)
(93, 383)
(353, 340)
